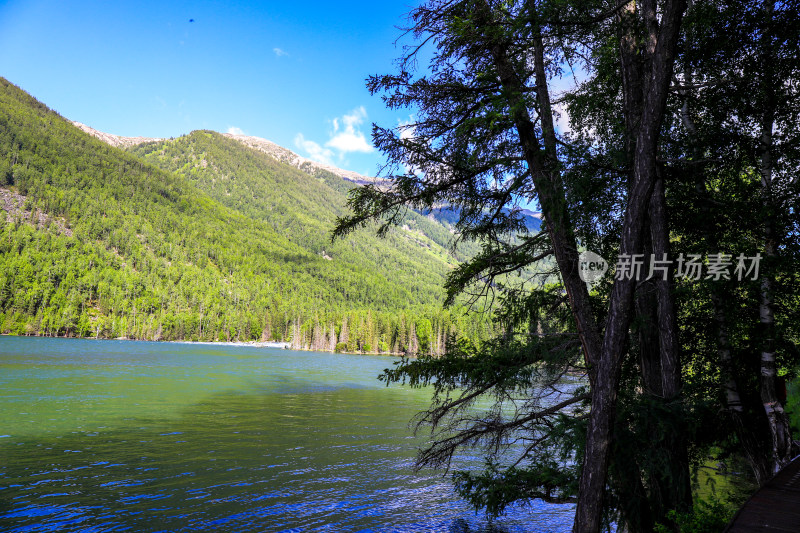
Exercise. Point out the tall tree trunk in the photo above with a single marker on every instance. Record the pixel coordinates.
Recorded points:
(776, 416)
(667, 320)
(668, 477)
(658, 343)
(548, 184)
(588, 514)
(675, 485)
(752, 446)
(605, 361)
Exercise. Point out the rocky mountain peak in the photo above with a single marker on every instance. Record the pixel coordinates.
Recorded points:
(115, 140)
(285, 155)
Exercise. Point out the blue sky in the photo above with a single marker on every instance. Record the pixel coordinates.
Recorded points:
(289, 72)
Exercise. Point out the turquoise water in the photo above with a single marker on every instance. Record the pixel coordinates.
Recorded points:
(140, 436)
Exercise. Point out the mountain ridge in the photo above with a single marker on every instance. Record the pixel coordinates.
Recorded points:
(303, 163)
(117, 141)
(275, 150)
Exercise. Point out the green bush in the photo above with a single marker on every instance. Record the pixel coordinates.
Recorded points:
(707, 517)
(793, 405)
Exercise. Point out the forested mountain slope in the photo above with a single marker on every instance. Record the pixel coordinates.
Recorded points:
(301, 206)
(197, 238)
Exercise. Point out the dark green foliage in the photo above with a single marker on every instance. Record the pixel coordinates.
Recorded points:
(793, 405)
(707, 517)
(529, 443)
(494, 488)
(682, 368)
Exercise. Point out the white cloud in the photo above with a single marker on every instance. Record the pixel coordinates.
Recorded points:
(233, 130)
(347, 136)
(314, 150)
(279, 52)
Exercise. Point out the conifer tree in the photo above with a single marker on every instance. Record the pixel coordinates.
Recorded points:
(484, 141)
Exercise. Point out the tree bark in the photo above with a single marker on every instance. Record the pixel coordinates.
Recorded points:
(588, 514)
(675, 492)
(667, 320)
(604, 359)
(549, 187)
(658, 332)
(776, 416)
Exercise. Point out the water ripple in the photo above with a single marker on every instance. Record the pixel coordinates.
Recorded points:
(158, 437)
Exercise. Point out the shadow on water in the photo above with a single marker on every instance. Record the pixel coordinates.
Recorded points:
(460, 525)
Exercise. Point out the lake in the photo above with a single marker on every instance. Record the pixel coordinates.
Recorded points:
(143, 436)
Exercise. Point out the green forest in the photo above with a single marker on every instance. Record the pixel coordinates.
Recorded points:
(201, 238)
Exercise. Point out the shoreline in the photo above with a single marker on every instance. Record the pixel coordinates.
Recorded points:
(252, 344)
